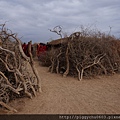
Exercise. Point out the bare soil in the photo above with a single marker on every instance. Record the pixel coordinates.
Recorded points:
(60, 95)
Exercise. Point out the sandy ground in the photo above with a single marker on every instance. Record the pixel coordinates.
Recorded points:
(70, 96)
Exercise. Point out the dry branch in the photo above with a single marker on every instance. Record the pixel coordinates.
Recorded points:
(8, 107)
(18, 76)
(86, 53)
(58, 30)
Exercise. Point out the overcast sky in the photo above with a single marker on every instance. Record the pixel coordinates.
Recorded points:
(31, 19)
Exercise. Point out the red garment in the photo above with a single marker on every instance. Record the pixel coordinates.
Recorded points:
(41, 49)
(44, 48)
(24, 47)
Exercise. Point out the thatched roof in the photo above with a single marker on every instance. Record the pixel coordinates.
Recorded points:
(58, 41)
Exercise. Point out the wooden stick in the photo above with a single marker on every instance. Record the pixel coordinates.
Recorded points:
(8, 107)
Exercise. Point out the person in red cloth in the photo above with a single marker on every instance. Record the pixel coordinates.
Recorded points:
(24, 47)
(44, 48)
(41, 49)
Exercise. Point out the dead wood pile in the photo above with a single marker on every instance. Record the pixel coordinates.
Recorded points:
(18, 76)
(86, 54)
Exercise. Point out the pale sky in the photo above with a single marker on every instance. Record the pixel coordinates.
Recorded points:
(31, 19)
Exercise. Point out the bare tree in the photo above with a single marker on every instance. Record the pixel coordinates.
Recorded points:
(58, 30)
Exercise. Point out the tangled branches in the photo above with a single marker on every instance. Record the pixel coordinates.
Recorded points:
(18, 76)
(86, 54)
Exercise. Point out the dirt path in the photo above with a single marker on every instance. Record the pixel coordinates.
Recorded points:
(68, 95)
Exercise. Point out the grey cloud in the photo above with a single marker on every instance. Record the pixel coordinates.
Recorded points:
(32, 18)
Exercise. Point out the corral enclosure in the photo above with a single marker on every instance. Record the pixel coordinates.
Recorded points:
(87, 53)
(18, 76)
(83, 54)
